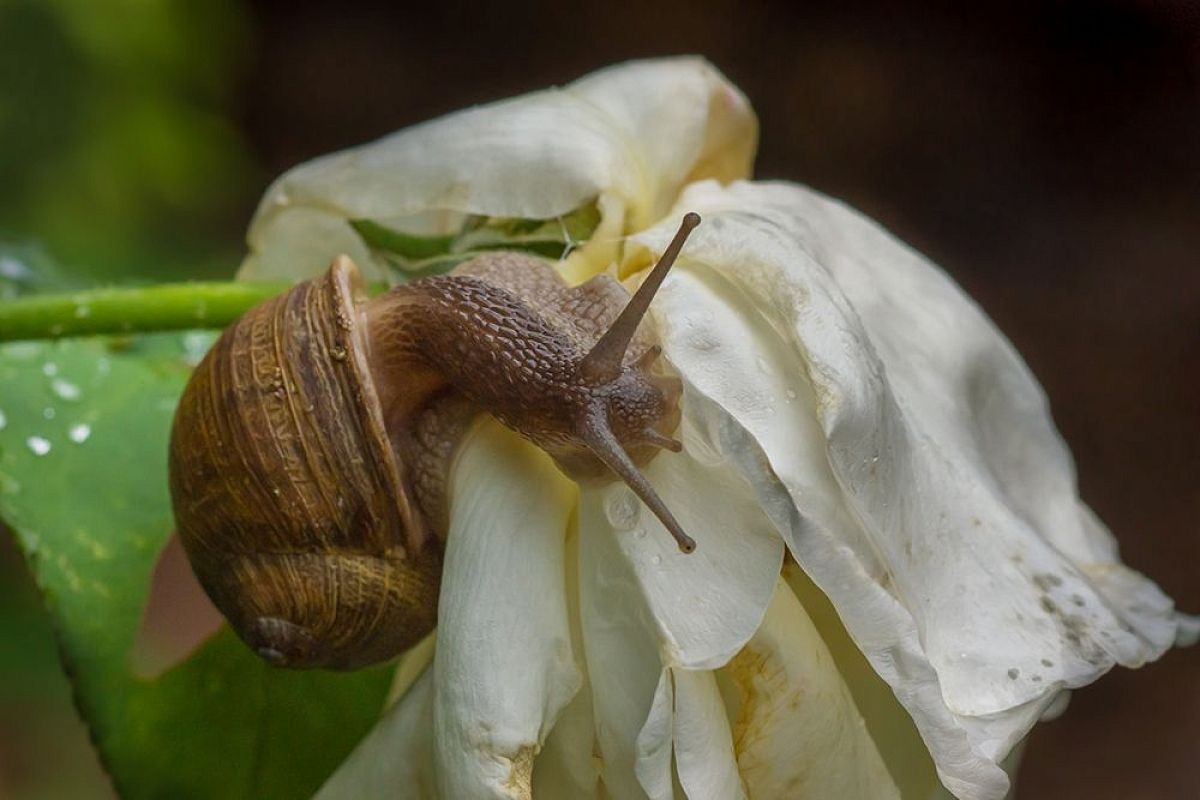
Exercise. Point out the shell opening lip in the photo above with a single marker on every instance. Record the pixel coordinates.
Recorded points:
(282, 643)
(272, 656)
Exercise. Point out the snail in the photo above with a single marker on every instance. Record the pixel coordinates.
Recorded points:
(310, 449)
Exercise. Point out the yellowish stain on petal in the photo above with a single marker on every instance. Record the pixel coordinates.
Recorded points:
(798, 732)
(519, 785)
(765, 692)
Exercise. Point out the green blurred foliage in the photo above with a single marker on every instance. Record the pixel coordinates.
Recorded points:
(120, 160)
(117, 149)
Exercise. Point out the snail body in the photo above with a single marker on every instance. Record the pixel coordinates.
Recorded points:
(310, 448)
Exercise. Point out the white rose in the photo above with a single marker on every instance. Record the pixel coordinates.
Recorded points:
(846, 409)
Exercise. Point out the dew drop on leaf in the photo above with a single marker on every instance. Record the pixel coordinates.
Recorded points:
(49, 369)
(22, 351)
(3, 421)
(38, 445)
(65, 389)
(80, 433)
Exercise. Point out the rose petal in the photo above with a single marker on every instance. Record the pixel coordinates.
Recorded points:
(704, 753)
(634, 132)
(799, 733)
(623, 664)
(411, 666)
(891, 727)
(396, 757)
(504, 664)
(882, 628)
(706, 604)
(902, 427)
(566, 766)
(655, 742)
(687, 720)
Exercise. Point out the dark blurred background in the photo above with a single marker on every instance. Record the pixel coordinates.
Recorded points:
(1048, 156)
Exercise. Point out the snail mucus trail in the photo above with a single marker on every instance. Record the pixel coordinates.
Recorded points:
(310, 450)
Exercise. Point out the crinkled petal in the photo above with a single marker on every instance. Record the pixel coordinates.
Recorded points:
(634, 132)
(504, 665)
(396, 757)
(909, 458)
(798, 732)
(706, 604)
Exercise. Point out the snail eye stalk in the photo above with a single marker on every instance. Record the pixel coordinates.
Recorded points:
(602, 365)
(603, 362)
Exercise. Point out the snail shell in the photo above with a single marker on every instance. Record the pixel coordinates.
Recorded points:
(288, 496)
(310, 448)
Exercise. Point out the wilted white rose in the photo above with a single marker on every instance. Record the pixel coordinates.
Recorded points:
(894, 571)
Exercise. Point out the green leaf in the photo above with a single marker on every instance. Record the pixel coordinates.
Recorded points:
(83, 441)
(417, 255)
(406, 245)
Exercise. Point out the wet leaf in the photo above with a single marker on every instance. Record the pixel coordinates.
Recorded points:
(83, 441)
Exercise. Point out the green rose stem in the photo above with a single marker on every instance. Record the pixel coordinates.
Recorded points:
(166, 307)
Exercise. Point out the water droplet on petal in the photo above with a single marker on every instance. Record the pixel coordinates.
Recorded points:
(622, 509)
(791, 395)
(80, 433)
(38, 445)
(656, 559)
(65, 389)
